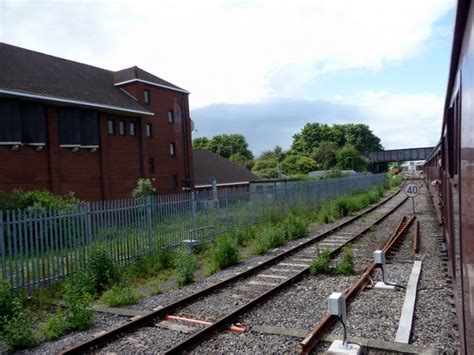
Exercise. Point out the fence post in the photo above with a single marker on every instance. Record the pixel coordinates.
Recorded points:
(193, 208)
(89, 224)
(149, 223)
(2, 240)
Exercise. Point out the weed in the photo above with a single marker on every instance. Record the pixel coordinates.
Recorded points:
(80, 312)
(103, 269)
(267, 237)
(119, 295)
(18, 331)
(322, 264)
(55, 325)
(223, 253)
(185, 266)
(9, 301)
(294, 226)
(346, 264)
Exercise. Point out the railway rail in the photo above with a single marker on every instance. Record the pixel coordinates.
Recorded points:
(278, 273)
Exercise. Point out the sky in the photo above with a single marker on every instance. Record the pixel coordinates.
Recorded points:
(265, 68)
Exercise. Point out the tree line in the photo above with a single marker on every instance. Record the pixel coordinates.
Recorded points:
(316, 147)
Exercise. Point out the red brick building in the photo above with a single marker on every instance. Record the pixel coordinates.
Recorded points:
(67, 126)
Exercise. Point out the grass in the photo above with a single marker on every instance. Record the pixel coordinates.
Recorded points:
(120, 295)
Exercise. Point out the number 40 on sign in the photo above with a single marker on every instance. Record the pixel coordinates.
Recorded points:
(412, 190)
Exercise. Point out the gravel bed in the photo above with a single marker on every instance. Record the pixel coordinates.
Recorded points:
(102, 322)
(434, 318)
(249, 343)
(147, 340)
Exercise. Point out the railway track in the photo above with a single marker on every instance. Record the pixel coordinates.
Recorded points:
(240, 293)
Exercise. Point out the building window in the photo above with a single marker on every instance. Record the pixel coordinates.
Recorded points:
(146, 96)
(173, 149)
(133, 129)
(122, 128)
(33, 127)
(171, 116)
(148, 130)
(175, 182)
(111, 127)
(151, 165)
(22, 122)
(80, 127)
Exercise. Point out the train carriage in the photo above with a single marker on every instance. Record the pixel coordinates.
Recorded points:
(450, 171)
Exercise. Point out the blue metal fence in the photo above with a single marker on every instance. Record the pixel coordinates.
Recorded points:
(38, 247)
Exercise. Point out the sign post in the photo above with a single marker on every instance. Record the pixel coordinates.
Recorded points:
(412, 190)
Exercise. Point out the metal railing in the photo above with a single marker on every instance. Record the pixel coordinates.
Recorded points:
(38, 247)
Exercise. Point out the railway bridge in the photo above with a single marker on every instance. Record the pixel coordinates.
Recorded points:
(380, 159)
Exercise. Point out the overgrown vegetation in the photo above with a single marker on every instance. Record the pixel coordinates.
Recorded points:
(224, 252)
(120, 295)
(347, 204)
(143, 189)
(185, 265)
(322, 264)
(23, 200)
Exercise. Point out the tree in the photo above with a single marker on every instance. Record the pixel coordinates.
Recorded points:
(313, 134)
(239, 159)
(348, 157)
(310, 137)
(201, 143)
(359, 135)
(325, 155)
(277, 153)
(225, 145)
(304, 165)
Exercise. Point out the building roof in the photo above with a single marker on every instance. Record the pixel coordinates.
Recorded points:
(137, 74)
(35, 75)
(207, 165)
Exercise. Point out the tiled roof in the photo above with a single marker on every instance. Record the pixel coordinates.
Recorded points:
(32, 74)
(207, 165)
(136, 73)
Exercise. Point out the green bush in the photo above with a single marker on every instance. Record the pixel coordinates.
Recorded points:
(21, 200)
(80, 313)
(392, 181)
(294, 226)
(266, 237)
(346, 264)
(103, 270)
(185, 266)
(223, 253)
(119, 295)
(55, 325)
(144, 188)
(18, 331)
(322, 264)
(9, 301)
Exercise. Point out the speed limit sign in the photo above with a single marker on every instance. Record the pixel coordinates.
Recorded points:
(411, 190)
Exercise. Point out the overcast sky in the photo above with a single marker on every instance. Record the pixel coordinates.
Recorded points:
(265, 68)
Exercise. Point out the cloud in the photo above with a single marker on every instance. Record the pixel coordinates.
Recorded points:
(400, 120)
(227, 51)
